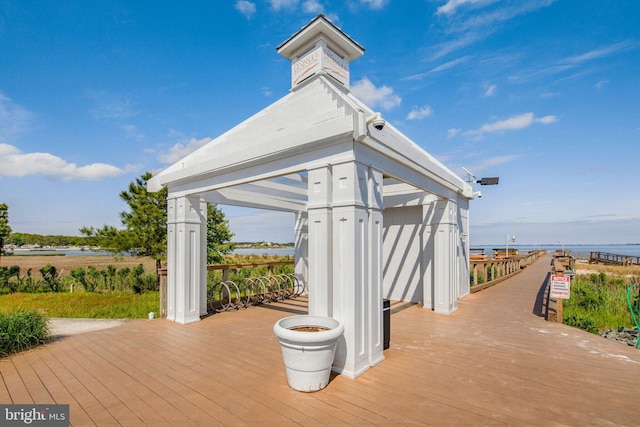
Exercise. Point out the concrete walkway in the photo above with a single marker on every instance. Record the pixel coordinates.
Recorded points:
(495, 361)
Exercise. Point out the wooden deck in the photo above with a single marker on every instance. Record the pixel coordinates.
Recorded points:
(493, 362)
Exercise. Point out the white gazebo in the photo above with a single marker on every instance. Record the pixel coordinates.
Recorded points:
(376, 216)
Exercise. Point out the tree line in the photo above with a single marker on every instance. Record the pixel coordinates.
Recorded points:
(20, 239)
(143, 229)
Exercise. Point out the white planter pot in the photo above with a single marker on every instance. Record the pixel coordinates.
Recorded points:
(308, 356)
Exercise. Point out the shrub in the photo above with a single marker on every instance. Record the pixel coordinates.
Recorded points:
(597, 302)
(51, 277)
(580, 322)
(22, 329)
(81, 277)
(5, 277)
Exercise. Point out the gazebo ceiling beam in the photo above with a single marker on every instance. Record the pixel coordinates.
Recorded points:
(284, 184)
(251, 199)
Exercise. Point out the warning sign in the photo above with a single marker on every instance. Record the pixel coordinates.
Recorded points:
(560, 287)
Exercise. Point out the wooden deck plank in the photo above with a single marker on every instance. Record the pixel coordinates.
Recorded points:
(37, 389)
(493, 362)
(18, 390)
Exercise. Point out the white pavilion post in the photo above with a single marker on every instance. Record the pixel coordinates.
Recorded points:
(376, 263)
(427, 246)
(186, 269)
(354, 302)
(301, 251)
(463, 261)
(446, 271)
(203, 258)
(320, 228)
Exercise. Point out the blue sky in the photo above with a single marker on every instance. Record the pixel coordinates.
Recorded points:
(544, 94)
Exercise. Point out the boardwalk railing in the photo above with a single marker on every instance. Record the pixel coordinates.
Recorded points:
(488, 272)
(612, 259)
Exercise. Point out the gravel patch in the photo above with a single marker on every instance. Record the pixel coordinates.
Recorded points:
(65, 327)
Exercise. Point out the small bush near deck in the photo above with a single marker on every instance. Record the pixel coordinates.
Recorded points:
(22, 329)
(598, 302)
(580, 322)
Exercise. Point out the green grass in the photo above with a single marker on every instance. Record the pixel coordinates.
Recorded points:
(22, 329)
(598, 302)
(84, 305)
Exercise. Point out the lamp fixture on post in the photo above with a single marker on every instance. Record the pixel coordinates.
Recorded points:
(513, 239)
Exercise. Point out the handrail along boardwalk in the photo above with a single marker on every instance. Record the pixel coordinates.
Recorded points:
(597, 257)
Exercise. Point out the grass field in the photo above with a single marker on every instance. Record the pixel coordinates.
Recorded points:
(64, 264)
(84, 305)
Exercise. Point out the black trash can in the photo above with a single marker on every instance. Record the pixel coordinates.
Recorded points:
(386, 322)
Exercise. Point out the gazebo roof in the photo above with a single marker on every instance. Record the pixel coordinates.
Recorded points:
(320, 28)
(262, 161)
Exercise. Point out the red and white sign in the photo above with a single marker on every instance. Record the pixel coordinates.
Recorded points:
(560, 287)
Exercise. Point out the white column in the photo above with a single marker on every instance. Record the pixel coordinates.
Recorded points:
(376, 264)
(301, 252)
(351, 273)
(203, 258)
(320, 232)
(427, 246)
(186, 281)
(463, 259)
(446, 269)
(345, 259)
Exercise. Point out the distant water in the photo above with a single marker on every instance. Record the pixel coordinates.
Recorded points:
(63, 252)
(242, 251)
(583, 250)
(265, 251)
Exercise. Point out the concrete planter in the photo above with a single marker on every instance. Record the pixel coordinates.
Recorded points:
(308, 346)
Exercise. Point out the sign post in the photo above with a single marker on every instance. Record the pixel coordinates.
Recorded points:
(560, 289)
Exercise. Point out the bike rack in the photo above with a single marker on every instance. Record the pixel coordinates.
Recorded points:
(229, 295)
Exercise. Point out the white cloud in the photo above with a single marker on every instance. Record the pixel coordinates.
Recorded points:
(520, 121)
(420, 113)
(547, 94)
(453, 132)
(602, 83)
(450, 64)
(283, 4)
(13, 162)
(182, 149)
(460, 42)
(473, 27)
(491, 162)
(547, 120)
(14, 119)
(245, 7)
(374, 4)
(571, 63)
(451, 6)
(111, 106)
(131, 131)
(373, 96)
(491, 89)
(600, 52)
(312, 6)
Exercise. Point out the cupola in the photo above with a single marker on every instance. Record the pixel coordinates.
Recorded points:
(319, 48)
